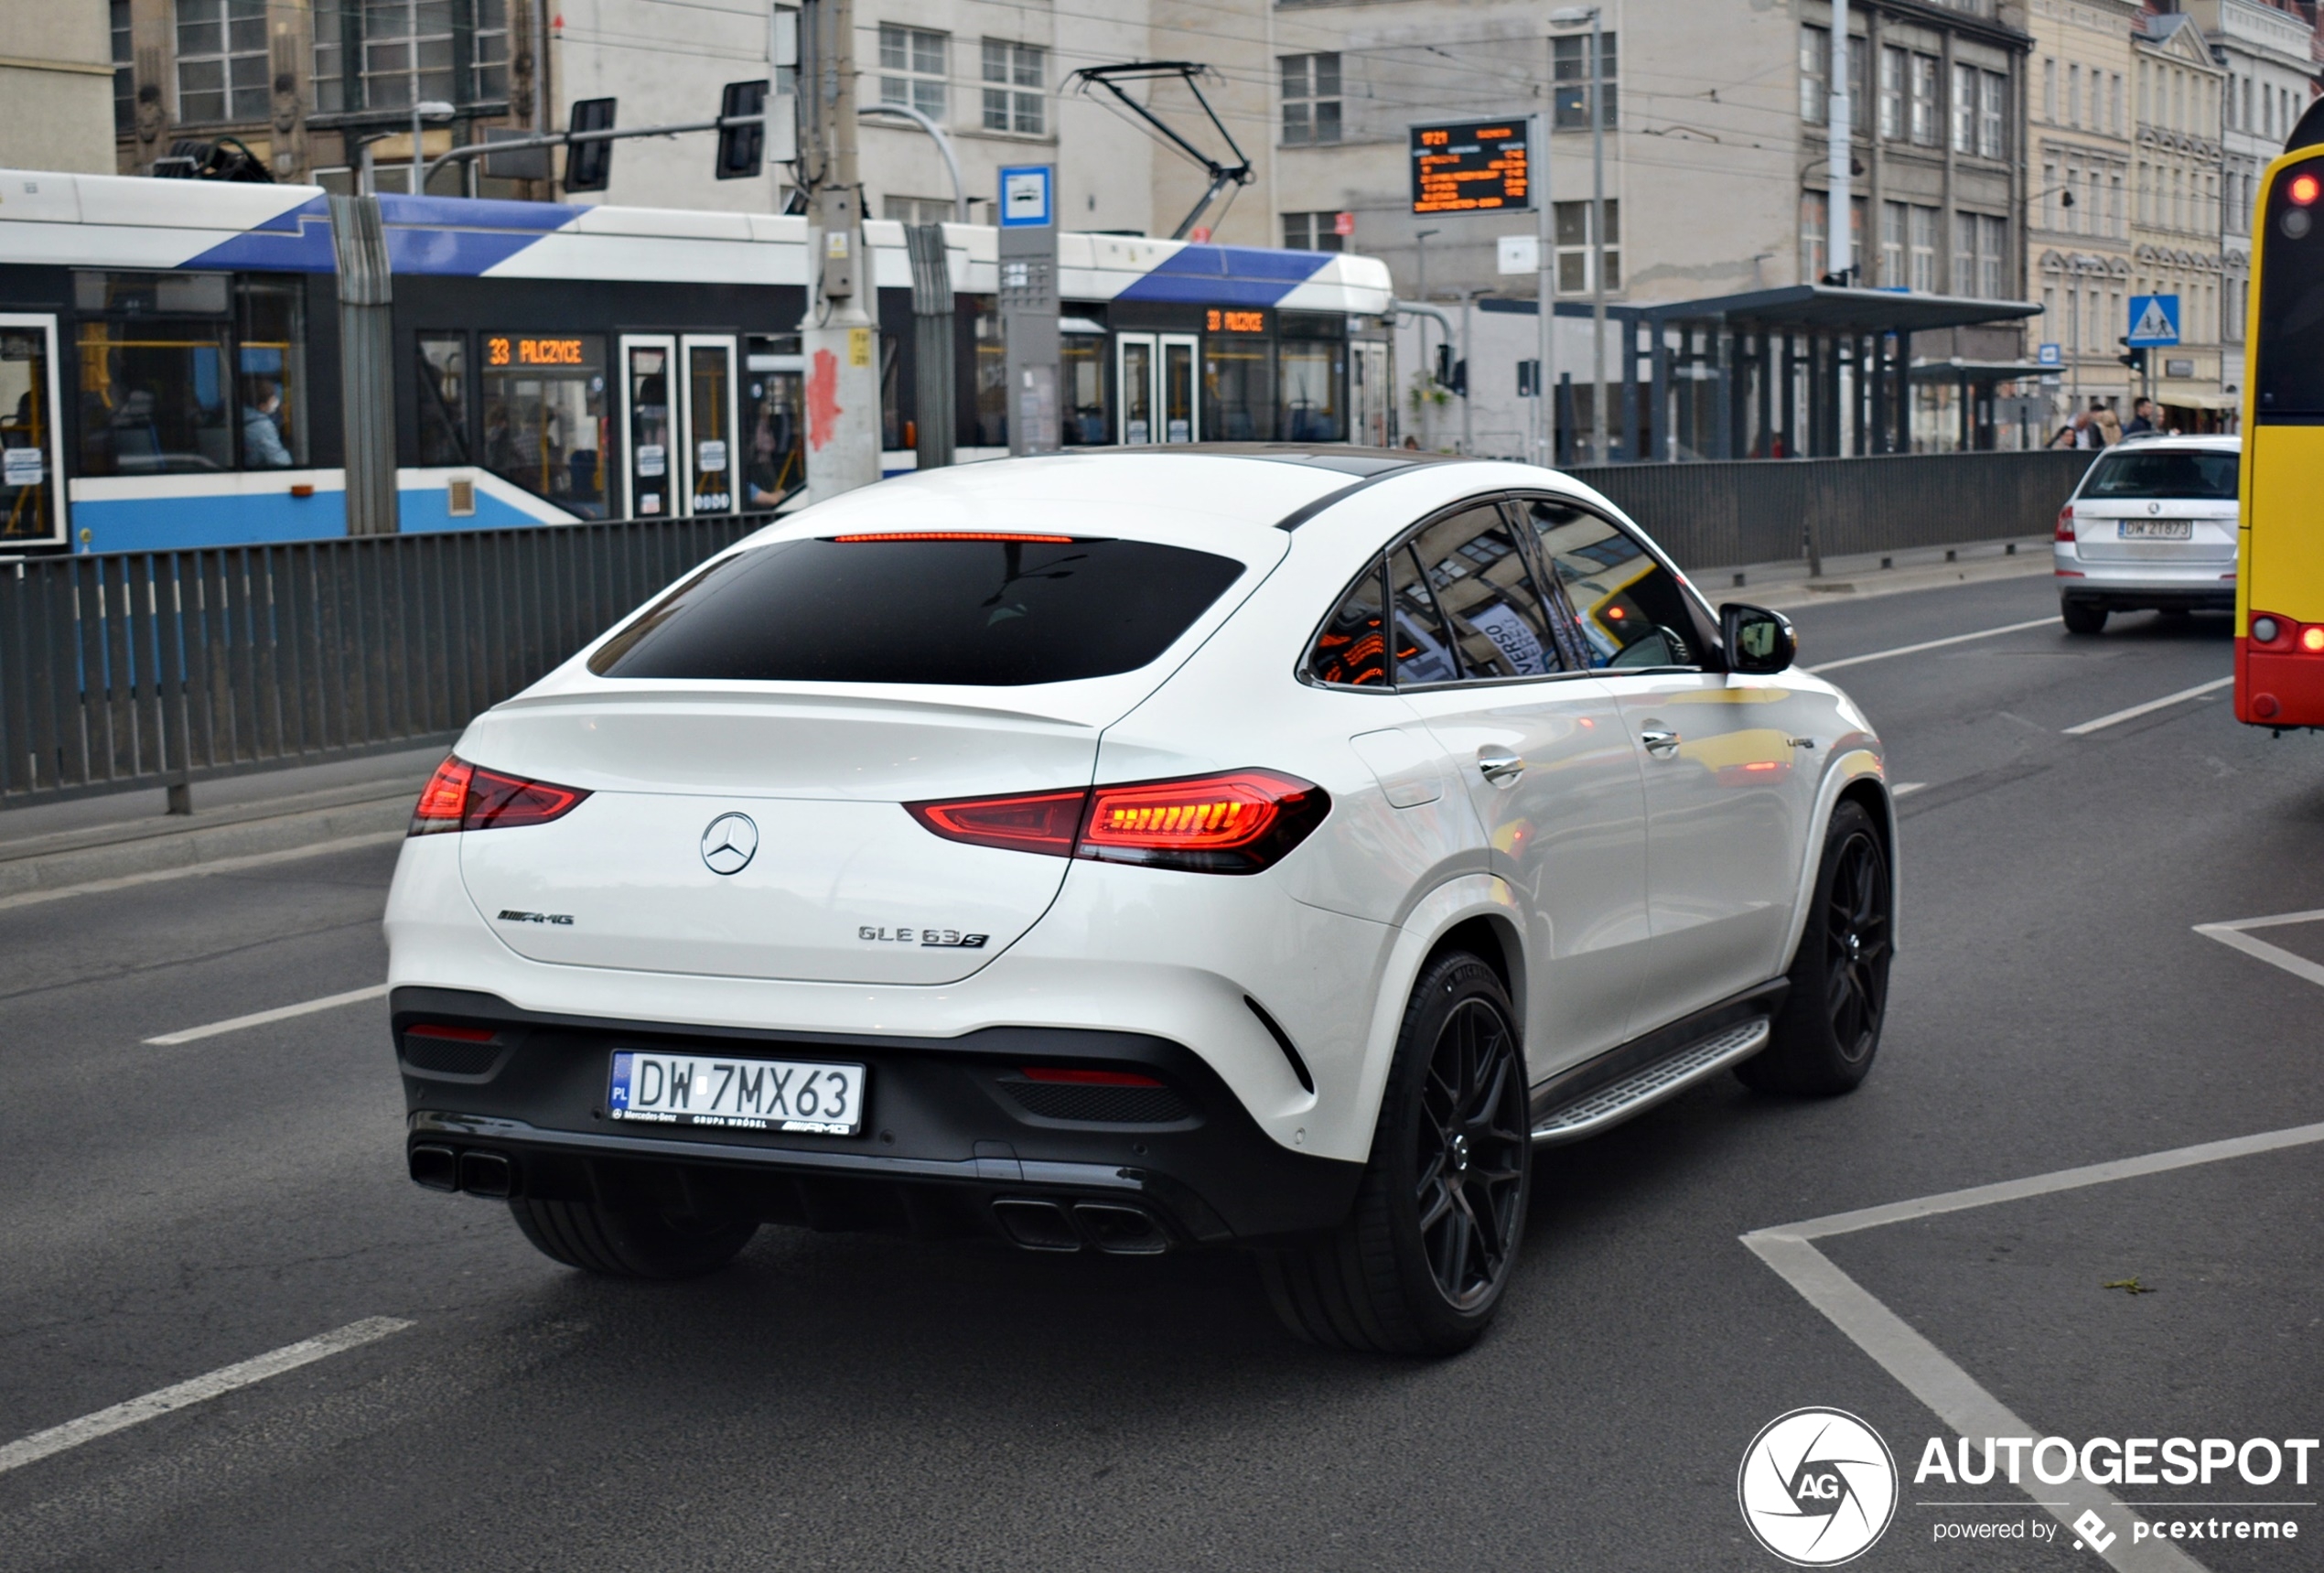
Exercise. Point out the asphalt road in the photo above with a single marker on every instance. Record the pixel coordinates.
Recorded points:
(836, 1401)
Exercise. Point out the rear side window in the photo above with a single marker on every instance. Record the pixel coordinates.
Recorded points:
(1353, 646)
(1423, 654)
(1628, 608)
(2202, 477)
(997, 611)
(1492, 610)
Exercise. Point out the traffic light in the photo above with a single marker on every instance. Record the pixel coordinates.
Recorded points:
(742, 148)
(588, 166)
(1529, 380)
(2133, 358)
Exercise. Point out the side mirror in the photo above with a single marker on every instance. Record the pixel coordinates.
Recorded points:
(1756, 639)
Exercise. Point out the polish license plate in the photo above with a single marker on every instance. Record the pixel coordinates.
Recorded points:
(2158, 530)
(736, 1094)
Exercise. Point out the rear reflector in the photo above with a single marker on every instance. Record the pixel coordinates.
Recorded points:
(1236, 822)
(456, 1034)
(1087, 1078)
(462, 796)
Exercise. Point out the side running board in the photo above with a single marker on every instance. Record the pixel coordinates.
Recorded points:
(1641, 1090)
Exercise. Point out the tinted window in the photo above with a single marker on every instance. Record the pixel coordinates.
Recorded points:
(1352, 648)
(1423, 654)
(2208, 476)
(1485, 595)
(1627, 608)
(977, 612)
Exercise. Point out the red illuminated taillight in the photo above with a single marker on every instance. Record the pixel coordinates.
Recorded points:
(462, 796)
(2305, 190)
(1068, 1076)
(2066, 523)
(1235, 822)
(2312, 638)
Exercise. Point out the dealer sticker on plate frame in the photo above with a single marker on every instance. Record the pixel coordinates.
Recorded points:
(736, 1094)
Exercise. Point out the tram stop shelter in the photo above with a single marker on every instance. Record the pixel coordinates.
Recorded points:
(1804, 370)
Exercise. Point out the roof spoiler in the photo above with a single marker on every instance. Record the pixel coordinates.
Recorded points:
(2309, 132)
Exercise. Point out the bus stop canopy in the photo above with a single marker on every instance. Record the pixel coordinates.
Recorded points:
(1827, 308)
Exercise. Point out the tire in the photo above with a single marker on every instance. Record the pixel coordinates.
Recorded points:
(1419, 1267)
(2082, 616)
(1824, 1040)
(630, 1244)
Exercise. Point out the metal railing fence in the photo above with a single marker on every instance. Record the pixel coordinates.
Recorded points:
(142, 669)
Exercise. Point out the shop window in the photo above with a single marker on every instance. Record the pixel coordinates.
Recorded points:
(544, 424)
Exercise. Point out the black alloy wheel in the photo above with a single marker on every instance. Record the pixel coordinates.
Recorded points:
(1824, 1039)
(1421, 1263)
(1471, 1161)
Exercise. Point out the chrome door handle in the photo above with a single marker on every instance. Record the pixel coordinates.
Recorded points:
(1500, 768)
(1659, 741)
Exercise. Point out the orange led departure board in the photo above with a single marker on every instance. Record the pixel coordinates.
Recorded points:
(502, 352)
(1475, 166)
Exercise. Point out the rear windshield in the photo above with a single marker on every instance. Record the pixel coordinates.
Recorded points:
(2200, 477)
(997, 612)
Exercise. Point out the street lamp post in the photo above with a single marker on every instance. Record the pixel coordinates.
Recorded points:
(1594, 74)
(1420, 327)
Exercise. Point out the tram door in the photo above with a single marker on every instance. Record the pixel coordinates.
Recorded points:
(32, 449)
(678, 422)
(707, 421)
(1155, 374)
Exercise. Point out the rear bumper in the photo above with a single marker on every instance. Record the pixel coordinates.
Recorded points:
(947, 1134)
(2279, 689)
(2140, 586)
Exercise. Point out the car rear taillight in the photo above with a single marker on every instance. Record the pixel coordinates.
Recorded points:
(2066, 523)
(1235, 822)
(462, 796)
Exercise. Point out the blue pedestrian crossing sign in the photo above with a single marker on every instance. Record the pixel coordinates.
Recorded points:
(2154, 321)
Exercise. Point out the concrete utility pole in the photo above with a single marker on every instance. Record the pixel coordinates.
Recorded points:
(1597, 236)
(1840, 204)
(839, 340)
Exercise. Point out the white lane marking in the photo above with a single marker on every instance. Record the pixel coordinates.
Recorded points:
(280, 1013)
(105, 1422)
(2148, 708)
(218, 866)
(2233, 936)
(1933, 644)
(1906, 789)
(1932, 1377)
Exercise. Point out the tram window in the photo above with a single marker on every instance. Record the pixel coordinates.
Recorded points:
(991, 426)
(543, 405)
(158, 397)
(776, 466)
(1310, 373)
(1238, 389)
(1084, 368)
(891, 408)
(444, 398)
(270, 351)
(709, 372)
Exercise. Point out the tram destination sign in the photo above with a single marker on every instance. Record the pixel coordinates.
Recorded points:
(1473, 167)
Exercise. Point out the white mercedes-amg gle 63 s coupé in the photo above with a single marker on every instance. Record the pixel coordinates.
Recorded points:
(1135, 851)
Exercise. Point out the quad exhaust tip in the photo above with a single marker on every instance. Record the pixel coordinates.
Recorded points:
(1109, 1227)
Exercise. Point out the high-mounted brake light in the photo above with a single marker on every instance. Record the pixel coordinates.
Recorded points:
(2066, 523)
(1235, 822)
(2305, 190)
(462, 796)
(954, 535)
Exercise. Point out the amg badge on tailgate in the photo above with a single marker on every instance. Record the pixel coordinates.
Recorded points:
(952, 938)
(510, 915)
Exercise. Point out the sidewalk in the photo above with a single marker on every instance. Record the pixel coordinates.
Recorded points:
(50, 849)
(1781, 586)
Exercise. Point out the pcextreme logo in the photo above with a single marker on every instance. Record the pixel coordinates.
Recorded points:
(1818, 1487)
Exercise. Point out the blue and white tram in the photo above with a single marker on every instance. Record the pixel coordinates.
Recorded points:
(168, 358)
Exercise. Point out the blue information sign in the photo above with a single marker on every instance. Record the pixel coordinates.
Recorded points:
(1024, 196)
(2048, 355)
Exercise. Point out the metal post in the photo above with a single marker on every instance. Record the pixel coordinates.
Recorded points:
(838, 337)
(1468, 425)
(1546, 257)
(1839, 219)
(1420, 293)
(412, 19)
(1597, 238)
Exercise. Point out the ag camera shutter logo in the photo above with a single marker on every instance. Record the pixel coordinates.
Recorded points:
(1818, 1487)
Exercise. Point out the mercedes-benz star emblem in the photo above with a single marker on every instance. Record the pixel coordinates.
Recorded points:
(730, 843)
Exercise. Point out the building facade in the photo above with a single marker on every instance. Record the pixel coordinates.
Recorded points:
(56, 89)
(2176, 225)
(2081, 171)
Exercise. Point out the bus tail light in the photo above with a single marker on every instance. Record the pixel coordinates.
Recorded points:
(2066, 523)
(2312, 638)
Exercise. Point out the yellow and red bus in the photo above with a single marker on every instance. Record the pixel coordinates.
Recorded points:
(2280, 582)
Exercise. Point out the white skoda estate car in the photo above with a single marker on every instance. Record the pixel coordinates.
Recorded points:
(2153, 524)
(1135, 851)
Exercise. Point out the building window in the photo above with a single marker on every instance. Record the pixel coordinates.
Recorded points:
(1993, 241)
(1924, 250)
(2049, 91)
(488, 62)
(2115, 213)
(1815, 230)
(1815, 74)
(913, 66)
(1572, 80)
(221, 60)
(1313, 232)
(1924, 99)
(1311, 99)
(1892, 74)
(1892, 228)
(1965, 253)
(1964, 109)
(2115, 104)
(2073, 96)
(1013, 78)
(124, 76)
(1993, 115)
(1573, 247)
